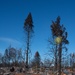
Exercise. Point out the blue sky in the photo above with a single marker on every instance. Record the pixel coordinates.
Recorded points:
(14, 12)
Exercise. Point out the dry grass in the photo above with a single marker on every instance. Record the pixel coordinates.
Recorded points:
(20, 74)
(36, 74)
(24, 74)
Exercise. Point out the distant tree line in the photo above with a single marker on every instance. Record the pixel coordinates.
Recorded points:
(11, 57)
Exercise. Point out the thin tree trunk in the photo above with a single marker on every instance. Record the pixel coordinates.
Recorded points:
(60, 55)
(27, 50)
(56, 59)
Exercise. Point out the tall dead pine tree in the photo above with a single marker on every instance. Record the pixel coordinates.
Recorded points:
(28, 27)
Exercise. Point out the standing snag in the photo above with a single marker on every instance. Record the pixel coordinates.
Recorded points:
(59, 31)
(28, 27)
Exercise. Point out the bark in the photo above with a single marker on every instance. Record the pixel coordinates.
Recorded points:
(60, 56)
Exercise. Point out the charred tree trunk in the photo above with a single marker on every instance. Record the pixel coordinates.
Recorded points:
(56, 59)
(60, 56)
(27, 50)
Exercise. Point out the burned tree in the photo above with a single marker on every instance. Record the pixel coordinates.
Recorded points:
(59, 32)
(28, 28)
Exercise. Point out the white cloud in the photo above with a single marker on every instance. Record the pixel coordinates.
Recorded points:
(9, 40)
